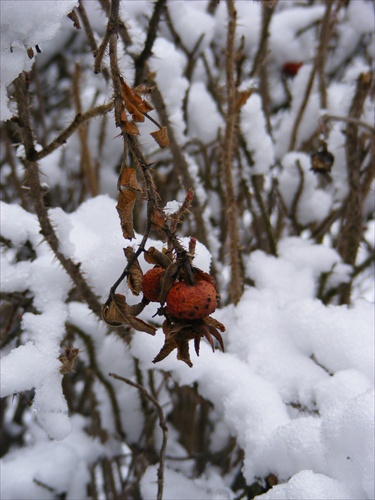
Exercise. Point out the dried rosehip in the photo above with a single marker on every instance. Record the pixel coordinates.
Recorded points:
(196, 301)
(291, 68)
(151, 283)
(322, 160)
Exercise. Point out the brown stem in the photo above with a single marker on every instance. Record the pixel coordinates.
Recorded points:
(140, 61)
(260, 66)
(79, 120)
(91, 39)
(87, 166)
(36, 193)
(352, 229)
(228, 151)
(297, 198)
(318, 66)
(347, 119)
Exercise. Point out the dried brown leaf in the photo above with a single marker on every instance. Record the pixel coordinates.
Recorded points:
(135, 275)
(129, 128)
(169, 346)
(207, 334)
(134, 103)
(157, 218)
(242, 98)
(167, 280)
(183, 351)
(111, 313)
(68, 360)
(141, 326)
(161, 137)
(128, 179)
(119, 312)
(154, 256)
(125, 206)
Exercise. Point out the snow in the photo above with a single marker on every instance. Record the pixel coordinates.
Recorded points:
(201, 25)
(39, 23)
(295, 385)
(178, 486)
(204, 119)
(40, 462)
(314, 204)
(308, 485)
(254, 128)
(168, 63)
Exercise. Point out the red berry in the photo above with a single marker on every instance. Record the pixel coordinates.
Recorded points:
(151, 285)
(186, 301)
(291, 68)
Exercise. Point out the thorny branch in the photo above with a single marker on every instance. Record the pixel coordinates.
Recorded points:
(36, 193)
(228, 150)
(352, 229)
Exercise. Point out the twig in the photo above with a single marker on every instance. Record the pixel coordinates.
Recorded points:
(36, 194)
(317, 66)
(140, 61)
(162, 423)
(352, 229)
(255, 180)
(228, 149)
(90, 34)
(79, 120)
(90, 350)
(348, 119)
(110, 33)
(87, 167)
(260, 66)
(297, 197)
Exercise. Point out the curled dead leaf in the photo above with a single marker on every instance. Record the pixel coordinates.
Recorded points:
(68, 359)
(157, 218)
(125, 206)
(129, 128)
(128, 180)
(135, 105)
(161, 137)
(154, 256)
(167, 280)
(135, 274)
(242, 98)
(118, 312)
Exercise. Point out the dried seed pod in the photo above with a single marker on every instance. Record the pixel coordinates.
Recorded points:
(322, 160)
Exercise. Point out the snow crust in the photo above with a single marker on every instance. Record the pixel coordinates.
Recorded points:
(304, 411)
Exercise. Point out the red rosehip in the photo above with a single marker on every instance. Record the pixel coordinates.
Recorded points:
(291, 68)
(186, 301)
(151, 285)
